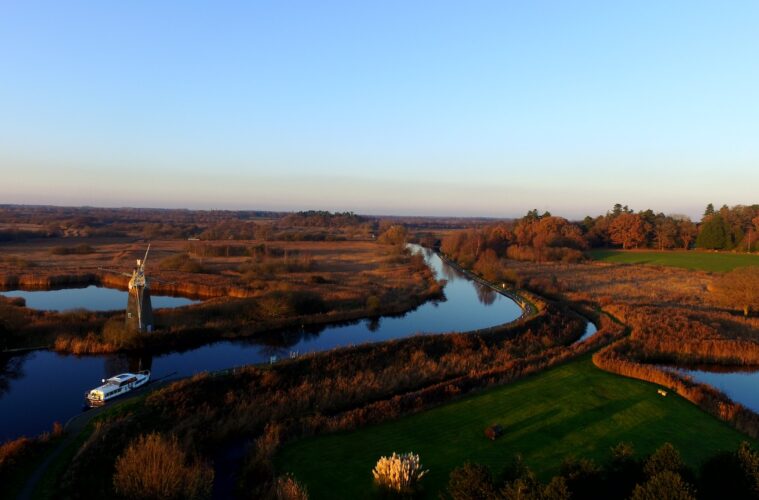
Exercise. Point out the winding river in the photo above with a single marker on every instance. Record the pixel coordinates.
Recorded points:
(41, 387)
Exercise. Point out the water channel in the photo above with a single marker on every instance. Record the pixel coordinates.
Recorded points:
(93, 298)
(41, 387)
(740, 384)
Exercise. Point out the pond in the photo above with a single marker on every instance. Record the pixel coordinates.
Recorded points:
(590, 330)
(41, 387)
(740, 384)
(93, 298)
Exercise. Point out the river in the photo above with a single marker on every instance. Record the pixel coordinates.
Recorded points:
(41, 387)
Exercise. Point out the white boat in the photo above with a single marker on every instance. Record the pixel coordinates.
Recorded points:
(117, 386)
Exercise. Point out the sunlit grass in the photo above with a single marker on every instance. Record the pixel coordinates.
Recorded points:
(575, 409)
(706, 261)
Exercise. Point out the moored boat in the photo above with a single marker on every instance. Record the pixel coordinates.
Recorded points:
(117, 386)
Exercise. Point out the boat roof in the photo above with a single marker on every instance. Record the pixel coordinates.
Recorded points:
(113, 382)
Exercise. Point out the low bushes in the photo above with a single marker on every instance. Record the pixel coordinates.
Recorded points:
(19, 453)
(77, 250)
(154, 466)
(181, 262)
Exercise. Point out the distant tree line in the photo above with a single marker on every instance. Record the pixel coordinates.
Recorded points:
(724, 229)
(321, 218)
(544, 237)
(301, 226)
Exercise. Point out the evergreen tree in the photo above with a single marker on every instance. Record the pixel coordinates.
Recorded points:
(709, 210)
(714, 234)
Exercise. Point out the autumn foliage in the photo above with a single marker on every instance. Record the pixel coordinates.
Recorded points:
(534, 237)
(154, 466)
(739, 289)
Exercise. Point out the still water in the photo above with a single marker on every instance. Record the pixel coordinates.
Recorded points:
(92, 298)
(41, 387)
(741, 386)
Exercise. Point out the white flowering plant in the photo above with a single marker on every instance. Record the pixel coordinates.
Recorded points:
(400, 472)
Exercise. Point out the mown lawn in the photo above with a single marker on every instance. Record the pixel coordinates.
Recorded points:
(706, 261)
(575, 409)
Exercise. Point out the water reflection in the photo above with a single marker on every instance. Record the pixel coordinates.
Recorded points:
(468, 306)
(92, 298)
(127, 362)
(485, 294)
(374, 324)
(11, 368)
(450, 273)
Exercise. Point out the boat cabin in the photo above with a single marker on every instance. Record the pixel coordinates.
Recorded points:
(116, 386)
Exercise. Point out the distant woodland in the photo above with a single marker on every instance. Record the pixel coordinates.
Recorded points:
(544, 237)
(536, 236)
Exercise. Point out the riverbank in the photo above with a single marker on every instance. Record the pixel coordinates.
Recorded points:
(347, 281)
(307, 364)
(673, 319)
(571, 410)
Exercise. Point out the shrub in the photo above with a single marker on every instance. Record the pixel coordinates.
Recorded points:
(400, 473)
(739, 289)
(666, 485)
(116, 333)
(373, 303)
(180, 262)
(10, 451)
(471, 482)
(396, 234)
(666, 458)
(288, 488)
(77, 250)
(153, 466)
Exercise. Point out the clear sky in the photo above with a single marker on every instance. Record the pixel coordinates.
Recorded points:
(407, 107)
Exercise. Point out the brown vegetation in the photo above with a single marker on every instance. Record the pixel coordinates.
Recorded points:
(534, 237)
(22, 451)
(675, 316)
(739, 289)
(287, 487)
(154, 466)
(673, 319)
(350, 387)
(262, 288)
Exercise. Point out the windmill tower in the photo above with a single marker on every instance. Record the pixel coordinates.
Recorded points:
(139, 313)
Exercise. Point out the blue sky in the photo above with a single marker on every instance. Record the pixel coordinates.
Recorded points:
(451, 108)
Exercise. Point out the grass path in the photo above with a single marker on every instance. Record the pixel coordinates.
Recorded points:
(692, 259)
(574, 409)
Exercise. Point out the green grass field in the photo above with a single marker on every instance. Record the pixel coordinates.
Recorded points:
(706, 261)
(574, 409)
